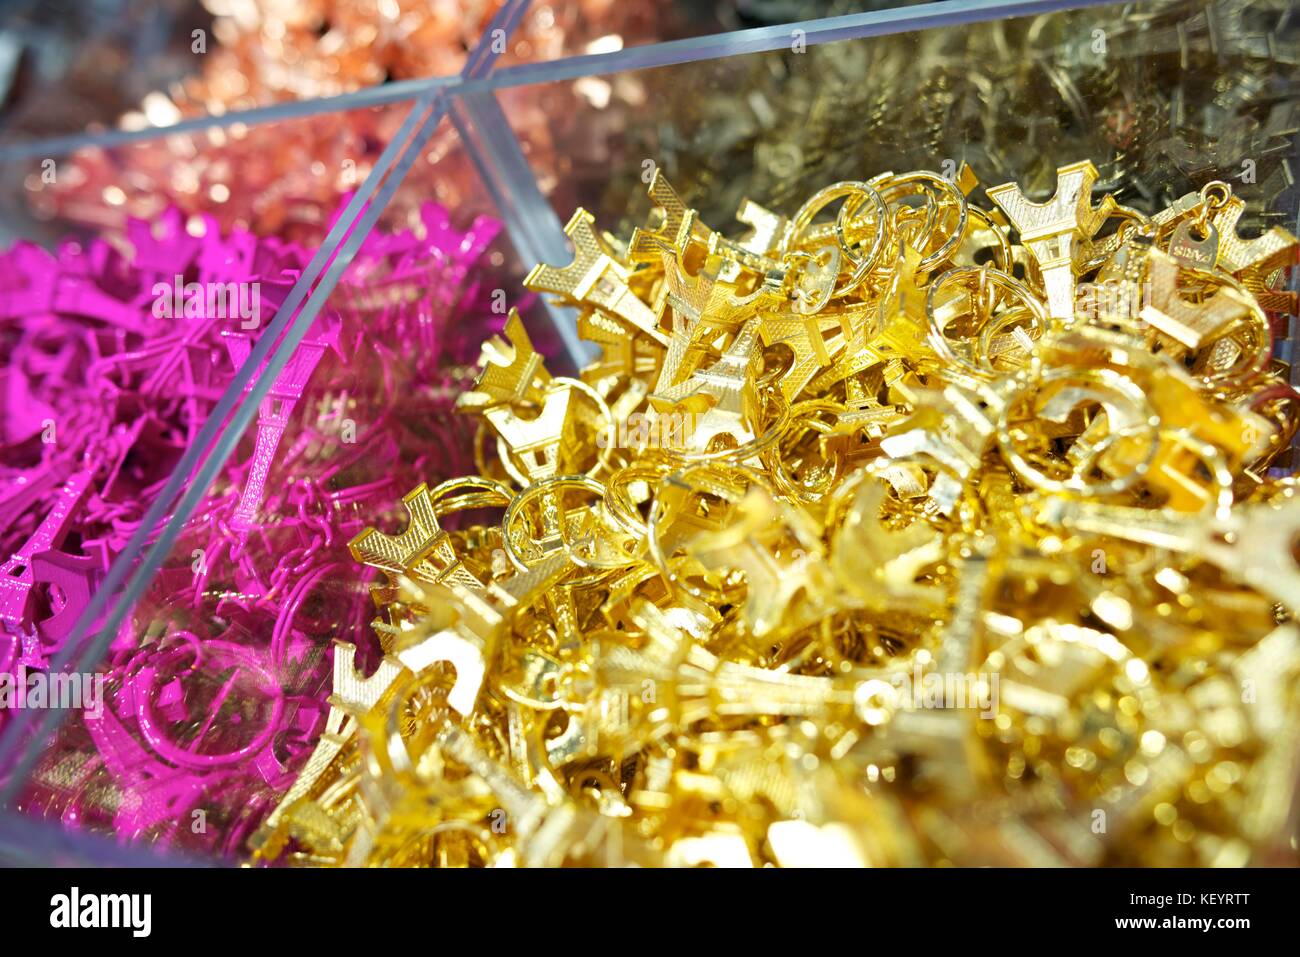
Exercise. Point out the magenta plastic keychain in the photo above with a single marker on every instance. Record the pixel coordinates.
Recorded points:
(214, 689)
(276, 409)
(18, 575)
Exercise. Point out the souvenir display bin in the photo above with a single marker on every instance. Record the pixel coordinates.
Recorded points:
(249, 272)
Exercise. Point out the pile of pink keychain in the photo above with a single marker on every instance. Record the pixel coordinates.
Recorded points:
(110, 362)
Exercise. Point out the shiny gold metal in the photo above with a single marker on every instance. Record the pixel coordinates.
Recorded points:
(949, 566)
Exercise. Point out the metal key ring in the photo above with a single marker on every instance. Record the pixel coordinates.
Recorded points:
(151, 726)
(549, 487)
(1107, 379)
(846, 190)
(494, 494)
(982, 274)
(930, 180)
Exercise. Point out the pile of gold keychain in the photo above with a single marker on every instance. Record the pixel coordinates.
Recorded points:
(899, 532)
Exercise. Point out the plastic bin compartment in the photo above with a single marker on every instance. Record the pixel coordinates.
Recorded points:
(1162, 97)
(214, 684)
